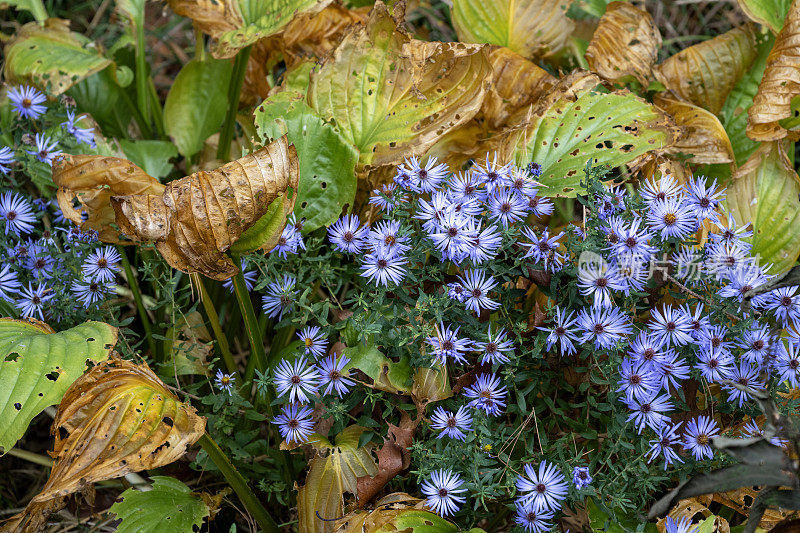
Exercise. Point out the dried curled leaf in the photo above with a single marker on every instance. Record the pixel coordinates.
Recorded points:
(395, 512)
(532, 28)
(393, 97)
(779, 85)
(90, 181)
(199, 217)
(704, 136)
(116, 419)
(625, 43)
(315, 34)
(705, 73)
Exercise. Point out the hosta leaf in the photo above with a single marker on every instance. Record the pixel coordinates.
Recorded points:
(91, 181)
(386, 520)
(705, 73)
(169, 505)
(34, 7)
(102, 97)
(313, 35)
(327, 161)
(431, 385)
(37, 365)
(531, 28)
(196, 103)
(625, 43)
(393, 97)
(764, 193)
(51, 55)
(116, 419)
(329, 477)
(609, 128)
(151, 156)
(703, 137)
(385, 373)
(779, 85)
(771, 13)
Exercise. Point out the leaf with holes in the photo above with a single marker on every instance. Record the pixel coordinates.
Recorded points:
(393, 97)
(169, 505)
(51, 55)
(385, 519)
(608, 128)
(703, 137)
(116, 419)
(327, 161)
(531, 28)
(37, 365)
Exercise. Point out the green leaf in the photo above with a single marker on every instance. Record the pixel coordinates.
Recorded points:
(101, 97)
(419, 521)
(196, 103)
(267, 228)
(327, 161)
(386, 374)
(37, 366)
(764, 193)
(170, 506)
(770, 13)
(51, 56)
(151, 156)
(34, 7)
(608, 128)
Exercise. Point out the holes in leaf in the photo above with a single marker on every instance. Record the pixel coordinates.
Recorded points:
(18, 406)
(90, 339)
(52, 376)
(62, 432)
(303, 205)
(324, 184)
(160, 447)
(12, 357)
(168, 421)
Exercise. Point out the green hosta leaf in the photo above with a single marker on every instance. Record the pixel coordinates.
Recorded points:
(267, 229)
(385, 373)
(101, 96)
(327, 160)
(170, 506)
(771, 13)
(609, 128)
(151, 156)
(419, 521)
(196, 103)
(764, 193)
(38, 365)
(35, 7)
(51, 56)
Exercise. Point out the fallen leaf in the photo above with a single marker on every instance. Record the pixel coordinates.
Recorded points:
(430, 385)
(704, 137)
(393, 457)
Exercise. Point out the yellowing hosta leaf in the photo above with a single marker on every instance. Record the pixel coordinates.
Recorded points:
(705, 73)
(393, 97)
(703, 137)
(37, 365)
(51, 56)
(333, 471)
(430, 385)
(779, 85)
(609, 128)
(385, 520)
(625, 43)
(764, 193)
(771, 13)
(116, 419)
(531, 28)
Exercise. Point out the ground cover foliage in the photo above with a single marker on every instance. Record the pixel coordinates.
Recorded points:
(320, 266)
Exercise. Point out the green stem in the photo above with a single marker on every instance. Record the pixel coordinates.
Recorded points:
(38, 10)
(234, 92)
(213, 318)
(258, 357)
(238, 484)
(144, 128)
(142, 78)
(137, 297)
(158, 111)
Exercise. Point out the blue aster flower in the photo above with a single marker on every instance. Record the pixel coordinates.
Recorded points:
(430, 214)
(634, 241)
(442, 492)
(632, 272)
(531, 520)
(9, 283)
(31, 301)
(649, 412)
(542, 490)
(101, 265)
(682, 525)
(506, 206)
(46, 149)
(89, 292)
(756, 342)
(540, 206)
(403, 177)
(464, 187)
(698, 319)
(689, 264)
(598, 282)
(663, 444)
(288, 242)
(787, 364)
(425, 178)
(613, 227)
(704, 200)
(744, 374)
(484, 245)
(27, 101)
(784, 303)
(713, 335)
(534, 169)
(725, 258)
(563, 332)
(673, 369)
(743, 280)
(453, 235)
(249, 276)
(732, 232)
(521, 182)
(752, 430)
(714, 365)
(477, 285)
(387, 198)
(581, 477)
(6, 158)
(298, 380)
(605, 327)
(646, 350)
(40, 262)
(225, 381)
(347, 236)
(280, 297)
(493, 350)
(653, 190)
(487, 393)
(697, 437)
(673, 218)
(295, 423)
(452, 425)
(82, 135)
(314, 341)
(446, 345)
(670, 326)
(334, 376)
(492, 174)
(637, 381)
(383, 267)
(17, 214)
(543, 249)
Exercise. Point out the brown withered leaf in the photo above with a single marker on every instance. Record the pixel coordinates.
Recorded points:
(741, 499)
(90, 181)
(212, 17)
(704, 137)
(393, 457)
(398, 512)
(256, 85)
(779, 85)
(516, 84)
(116, 419)
(199, 217)
(625, 43)
(430, 385)
(705, 73)
(660, 165)
(314, 35)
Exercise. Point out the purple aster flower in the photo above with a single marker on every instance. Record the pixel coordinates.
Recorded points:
(40, 263)
(752, 430)
(657, 191)
(785, 304)
(383, 266)
(732, 232)
(89, 292)
(543, 249)
(581, 477)
(31, 301)
(427, 178)
(466, 186)
(295, 423)
(704, 200)
(484, 245)
(697, 437)
(249, 278)
(533, 521)
(672, 369)
(562, 332)
(670, 326)
(492, 174)
(613, 227)
(477, 285)
(492, 350)
(446, 345)
(387, 198)
(101, 265)
(279, 297)
(506, 206)
(634, 241)
(17, 214)
(288, 242)
(431, 213)
(386, 236)
(452, 425)
(697, 318)
(724, 258)
(787, 364)
(521, 182)
(663, 444)
(403, 178)
(682, 525)
(688, 264)
(646, 350)
(713, 336)
(297, 379)
(534, 169)
(540, 206)
(442, 492)
(649, 412)
(487, 393)
(637, 381)
(542, 490)
(314, 341)
(9, 283)
(82, 135)
(334, 376)
(6, 158)
(456, 292)
(743, 280)
(744, 374)
(27, 101)
(225, 381)
(632, 272)
(605, 327)
(453, 235)
(672, 218)
(756, 342)
(714, 365)
(45, 149)
(346, 235)
(599, 281)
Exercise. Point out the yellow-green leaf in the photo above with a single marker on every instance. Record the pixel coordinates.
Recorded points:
(703, 137)
(770, 13)
(169, 505)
